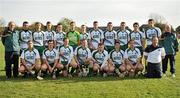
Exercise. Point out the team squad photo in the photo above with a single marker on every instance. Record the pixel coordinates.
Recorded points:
(89, 49)
(88, 52)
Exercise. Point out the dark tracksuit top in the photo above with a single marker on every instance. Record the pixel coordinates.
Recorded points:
(170, 43)
(10, 41)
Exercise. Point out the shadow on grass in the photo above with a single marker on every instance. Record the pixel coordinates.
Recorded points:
(63, 80)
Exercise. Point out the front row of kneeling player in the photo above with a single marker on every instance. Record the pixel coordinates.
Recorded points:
(82, 62)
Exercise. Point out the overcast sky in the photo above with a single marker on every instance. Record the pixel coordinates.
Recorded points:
(86, 11)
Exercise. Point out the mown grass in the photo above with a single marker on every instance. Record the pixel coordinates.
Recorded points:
(93, 87)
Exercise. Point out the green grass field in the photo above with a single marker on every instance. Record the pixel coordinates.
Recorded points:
(94, 87)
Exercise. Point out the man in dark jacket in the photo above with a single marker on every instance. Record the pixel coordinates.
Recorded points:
(170, 43)
(10, 40)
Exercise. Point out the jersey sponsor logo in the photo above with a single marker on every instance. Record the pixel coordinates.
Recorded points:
(52, 56)
(151, 35)
(117, 58)
(100, 58)
(66, 53)
(123, 37)
(49, 37)
(38, 38)
(109, 37)
(30, 56)
(82, 55)
(132, 56)
(60, 39)
(96, 36)
(26, 36)
(84, 36)
(136, 38)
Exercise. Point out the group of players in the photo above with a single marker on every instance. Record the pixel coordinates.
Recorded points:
(85, 53)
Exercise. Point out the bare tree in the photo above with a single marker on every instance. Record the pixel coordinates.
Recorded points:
(2, 25)
(65, 22)
(158, 18)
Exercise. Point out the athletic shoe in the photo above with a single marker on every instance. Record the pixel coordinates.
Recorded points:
(32, 72)
(25, 75)
(104, 74)
(69, 75)
(54, 77)
(121, 75)
(164, 75)
(173, 75)
(117, 71)
(39, 78)
(84, 72)
(80, 74)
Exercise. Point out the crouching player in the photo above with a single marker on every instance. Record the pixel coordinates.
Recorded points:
(116, 59)
(30, 61)
(66, 57)
(50, 59)
(133, 59)
(100, 60)
(83, 58)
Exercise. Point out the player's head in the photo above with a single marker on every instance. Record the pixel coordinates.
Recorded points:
(30, 44)
(151, 22)
(95, 24)
(109, 26)
(167, 28)
(50, 44)
(72, 25)
(11, 25)
(66, 41)
(25, 25)
(131, 43)
(38, 26)
(48, 25)
(59, 27)
(117, 45)
(136, 26)
(123, 25)
(83, 28)
(100, 47)
(84, 42)
(155, 40)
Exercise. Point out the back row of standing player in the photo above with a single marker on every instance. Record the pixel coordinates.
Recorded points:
(94, 36)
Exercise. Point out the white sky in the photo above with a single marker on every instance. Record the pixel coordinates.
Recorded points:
(86, 11)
